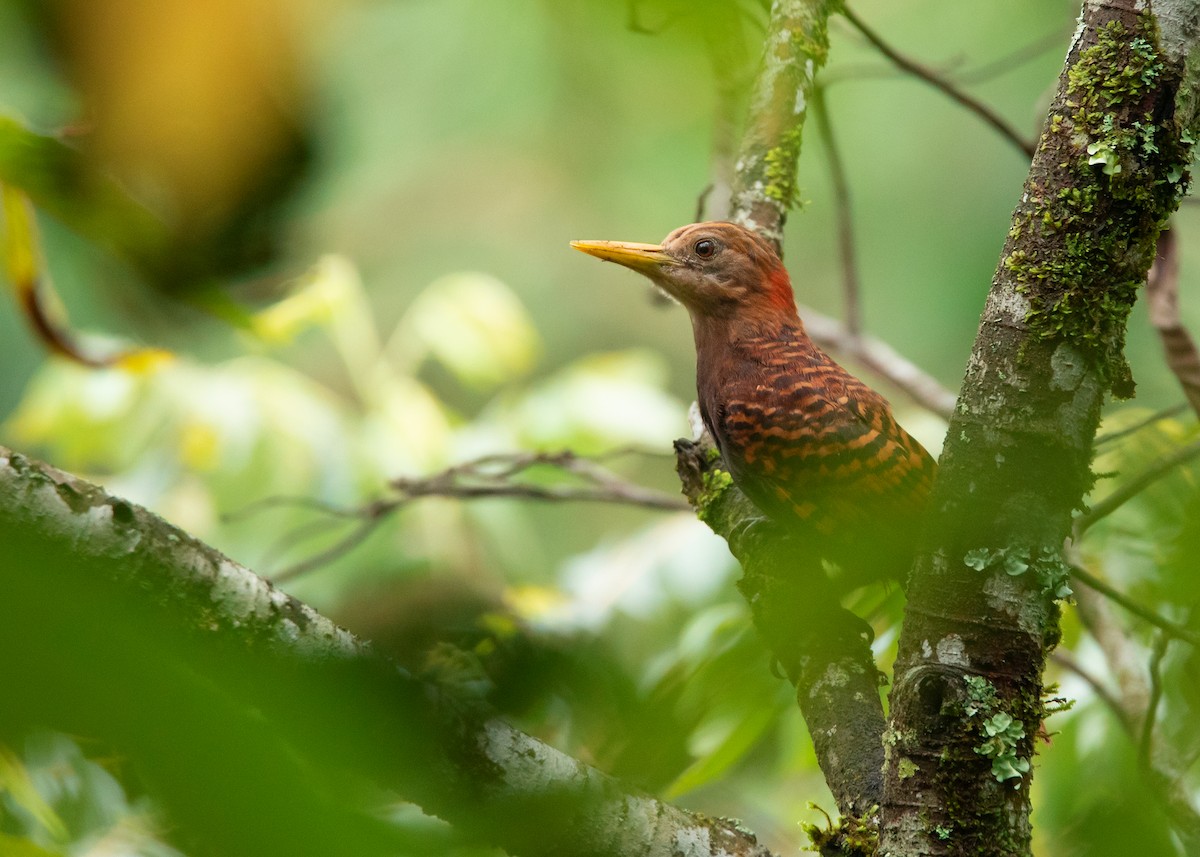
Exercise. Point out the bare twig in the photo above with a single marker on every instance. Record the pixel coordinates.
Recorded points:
(1064, 660)
(1155, 471)
(1146, 739)
(276, 501)
(488, 476)
(1162, 296)
(1157, 416)
(852, 314)
(339, 549)
(1170, 629)
(495, 476)
(951, 71)
(991, 117)
(1014, 59)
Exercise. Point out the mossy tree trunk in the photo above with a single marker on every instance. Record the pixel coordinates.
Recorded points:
(982, 613)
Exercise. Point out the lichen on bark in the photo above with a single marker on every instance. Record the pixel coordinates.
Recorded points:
(1109, 169)
(765, 185)
(1114, 166)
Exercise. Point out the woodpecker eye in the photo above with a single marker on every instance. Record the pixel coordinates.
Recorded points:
(705, 248)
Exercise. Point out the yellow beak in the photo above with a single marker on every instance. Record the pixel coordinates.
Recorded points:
(644, 258)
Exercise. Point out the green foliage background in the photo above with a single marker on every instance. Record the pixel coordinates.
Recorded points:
(424, 308)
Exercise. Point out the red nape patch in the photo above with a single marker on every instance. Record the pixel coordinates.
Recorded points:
(779, 290)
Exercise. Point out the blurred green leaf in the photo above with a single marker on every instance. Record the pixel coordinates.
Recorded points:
(16, 783)
(721, 745)
(14, 846)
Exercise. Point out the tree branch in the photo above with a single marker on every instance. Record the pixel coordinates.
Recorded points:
(1131, 488)
(796, 45)
(245, 697)
(940, 83)
(1162, 295)
(491, 476)
(824, 649)
(981, 612)
(1157, 416)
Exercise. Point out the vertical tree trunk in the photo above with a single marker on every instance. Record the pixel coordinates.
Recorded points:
(982, 614)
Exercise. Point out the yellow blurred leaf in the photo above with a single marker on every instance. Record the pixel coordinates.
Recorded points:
(474, 325)
(143, 361)
(321, 296)
(20, 241)
(533, 602)
(14, 846)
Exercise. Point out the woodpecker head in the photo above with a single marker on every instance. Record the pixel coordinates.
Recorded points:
(716, 269)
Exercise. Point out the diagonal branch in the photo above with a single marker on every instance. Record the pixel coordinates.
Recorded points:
(1169, 629)
(1162, 296)
(1018, 453)
(987, 114)
(1139, 483)
(1156, 417)
(237, 683)
(795, 48)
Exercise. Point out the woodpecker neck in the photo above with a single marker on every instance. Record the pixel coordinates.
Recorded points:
(725, 344)
(779, 290)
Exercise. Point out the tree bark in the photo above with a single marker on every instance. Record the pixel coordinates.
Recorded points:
(1111, 166)
(824, 649)
(263, 727)
(795, 49)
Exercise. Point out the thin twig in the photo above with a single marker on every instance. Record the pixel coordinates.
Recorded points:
(489, 476)
(1158, 416)
(1162, 297)
(702, 202)
(276, 501)
(993, 68)
(1105, 695)
(1014, 59)
(1135, 486)
(852, 313)
(1146, 740)
(495, 475)
(1168, 628)
(291, 540)
(340, 548)
(940, 83)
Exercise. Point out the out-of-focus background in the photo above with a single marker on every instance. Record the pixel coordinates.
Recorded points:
(348, 222)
